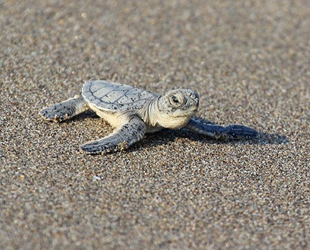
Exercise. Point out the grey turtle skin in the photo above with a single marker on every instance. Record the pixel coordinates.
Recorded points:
(134, 112)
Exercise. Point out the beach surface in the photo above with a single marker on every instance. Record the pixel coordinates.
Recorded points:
(250, 63)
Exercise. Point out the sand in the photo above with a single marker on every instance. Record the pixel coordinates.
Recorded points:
(248, 60)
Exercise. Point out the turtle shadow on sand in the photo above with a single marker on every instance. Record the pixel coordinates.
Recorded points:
(83, 116)
(165, 136)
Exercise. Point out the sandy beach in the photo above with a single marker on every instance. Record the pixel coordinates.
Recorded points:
(248, 60)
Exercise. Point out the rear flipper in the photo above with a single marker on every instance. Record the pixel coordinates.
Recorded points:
(121, 139)
(64, 110)
(230, 132)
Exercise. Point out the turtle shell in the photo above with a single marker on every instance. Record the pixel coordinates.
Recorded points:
(111, 96)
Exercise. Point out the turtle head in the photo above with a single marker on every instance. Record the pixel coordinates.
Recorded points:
(176, 107)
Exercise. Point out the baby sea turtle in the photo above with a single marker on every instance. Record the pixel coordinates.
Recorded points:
(135, 112)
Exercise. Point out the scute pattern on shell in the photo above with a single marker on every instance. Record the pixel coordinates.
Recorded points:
(112, 96)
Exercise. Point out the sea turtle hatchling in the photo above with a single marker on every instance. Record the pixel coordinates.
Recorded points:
(135, 112)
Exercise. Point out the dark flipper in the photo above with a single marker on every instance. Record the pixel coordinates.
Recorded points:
(230, 132)
(64, 110)
(121, 139)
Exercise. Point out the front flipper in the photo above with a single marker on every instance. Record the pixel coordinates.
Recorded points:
(64, 110)
(121, 139)
(230, 132)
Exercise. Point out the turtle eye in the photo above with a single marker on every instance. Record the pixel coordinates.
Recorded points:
(175, 100)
